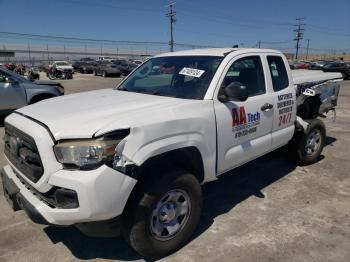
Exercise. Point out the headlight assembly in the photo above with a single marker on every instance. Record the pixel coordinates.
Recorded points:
(87, 153)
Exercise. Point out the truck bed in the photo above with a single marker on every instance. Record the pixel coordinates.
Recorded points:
(301, 76)
(317, 92)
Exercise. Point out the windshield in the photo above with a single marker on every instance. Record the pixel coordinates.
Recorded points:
(175, 76)
(7, 73)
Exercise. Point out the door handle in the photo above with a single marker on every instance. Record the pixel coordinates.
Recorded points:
(266, 107)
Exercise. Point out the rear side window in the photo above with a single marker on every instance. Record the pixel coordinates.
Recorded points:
(278, 73)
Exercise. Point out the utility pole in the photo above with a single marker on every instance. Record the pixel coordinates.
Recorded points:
(299, 33)
(307, 48)
(29, 53)
(259, 43)
(172, 20)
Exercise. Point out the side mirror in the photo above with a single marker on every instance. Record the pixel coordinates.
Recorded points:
(235, 91)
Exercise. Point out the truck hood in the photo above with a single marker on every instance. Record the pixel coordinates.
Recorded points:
(86, 114)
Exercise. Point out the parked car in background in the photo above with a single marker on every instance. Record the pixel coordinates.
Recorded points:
(341, 67)
(33, 74)
(124, 67)
(107, 68)
(299, 65)
(135, 62)
(63, 66)
(84, 65)
(318, 65)
(10, 66)
(43, 66)
(17, 91)
(105, 58)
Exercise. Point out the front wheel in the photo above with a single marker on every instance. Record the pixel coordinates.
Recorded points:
(165, 216)
(308, 146)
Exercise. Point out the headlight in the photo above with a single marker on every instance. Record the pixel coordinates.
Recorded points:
(86, 154)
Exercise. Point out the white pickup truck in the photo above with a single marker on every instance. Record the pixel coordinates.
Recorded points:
(132, 159)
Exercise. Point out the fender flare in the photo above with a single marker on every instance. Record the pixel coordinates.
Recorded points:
(167, 144)
(301, 124)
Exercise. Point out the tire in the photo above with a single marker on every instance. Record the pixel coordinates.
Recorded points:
(142, 227)
(104, 74)
(347, 76)
(51, 77)
(315, 137)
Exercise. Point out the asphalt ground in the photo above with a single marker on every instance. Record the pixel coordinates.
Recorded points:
(267, 210)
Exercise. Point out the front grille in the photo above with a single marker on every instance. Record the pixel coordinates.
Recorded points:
(21, 151)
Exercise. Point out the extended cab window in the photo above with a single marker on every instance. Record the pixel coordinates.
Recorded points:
(249, 72)
(278, 73)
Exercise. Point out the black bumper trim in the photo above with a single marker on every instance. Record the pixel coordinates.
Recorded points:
(104, 228)
(31, 211)
(10, 191)
(18, 202)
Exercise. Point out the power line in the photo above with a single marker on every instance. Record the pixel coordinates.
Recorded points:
(15, 35)
(299, 30)
(172, 20)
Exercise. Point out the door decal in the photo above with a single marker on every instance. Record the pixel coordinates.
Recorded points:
(244, 124)
(285, 107)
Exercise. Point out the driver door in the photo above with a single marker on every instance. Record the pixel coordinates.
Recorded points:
(244, 127)
(12, 94)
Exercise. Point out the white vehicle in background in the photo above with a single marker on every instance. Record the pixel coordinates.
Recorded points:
(63, 66)
(133, 158)
(106, 58)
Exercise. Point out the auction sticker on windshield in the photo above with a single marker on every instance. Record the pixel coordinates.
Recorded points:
(191, 72)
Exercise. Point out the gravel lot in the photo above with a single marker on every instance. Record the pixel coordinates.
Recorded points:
(268, 210)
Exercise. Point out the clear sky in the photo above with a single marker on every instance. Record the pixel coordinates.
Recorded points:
(216, 23)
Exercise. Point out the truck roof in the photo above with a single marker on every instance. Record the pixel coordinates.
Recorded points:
(215, 51)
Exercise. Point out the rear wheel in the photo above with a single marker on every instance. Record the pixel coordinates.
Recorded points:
(165, 216)
(308, 146)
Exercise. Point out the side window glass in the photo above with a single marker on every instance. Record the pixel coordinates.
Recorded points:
(249, 72)
(278, 73)
(3, 77)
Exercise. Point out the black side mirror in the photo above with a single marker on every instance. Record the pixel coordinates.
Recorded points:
(235, 91)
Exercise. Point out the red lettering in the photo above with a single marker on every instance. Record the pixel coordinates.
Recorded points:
(235, 119)
(242, 116)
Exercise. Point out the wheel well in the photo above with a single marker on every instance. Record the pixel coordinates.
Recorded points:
(40, 97)
(310, 108)
(188, 158)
